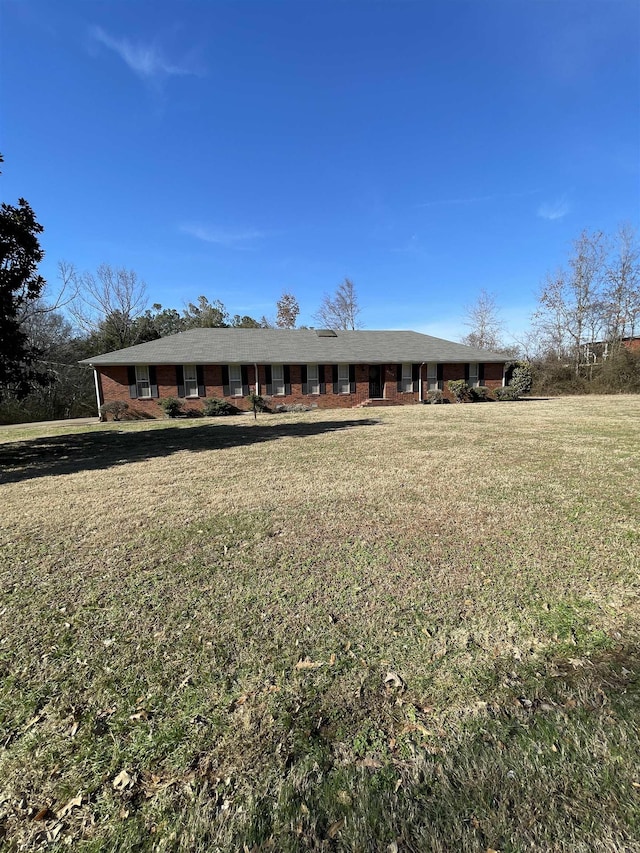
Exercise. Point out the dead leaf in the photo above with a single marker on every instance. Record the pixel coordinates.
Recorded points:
(42, 814)
(335, 828)
(75, 802)
(416, 727)
(74, 729)
(139, 715)
(332, 659)
(185, 682)
(55, 831)
(370, 763)
(393, 680)
(122, 781)
(307, 663)
(636, 784)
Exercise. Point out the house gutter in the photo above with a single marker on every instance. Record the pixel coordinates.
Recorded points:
(95, 380)
(255, 367)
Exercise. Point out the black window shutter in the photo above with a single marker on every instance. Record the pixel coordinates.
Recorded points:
(133, 388)
(466, 373)
(440, 374)
(225, 374)
(481, 373)
(153, 381)
(267, 375)
(334, 374)
(202, 391)
(321, 378)
(180, 379)
(303, 374)
(415, 376)
(286, 371)
(399, 376)
(352, 378)
(244, 375)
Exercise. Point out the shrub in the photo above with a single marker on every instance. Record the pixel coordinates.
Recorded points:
(459, 389)
(620, 373)
(554, 377)
(295, 407)
(522, 377)
(215, 407)
(508, 393)
(116, 409)
(257, 403)
(479, 394)
(171, 406)
(435, 396)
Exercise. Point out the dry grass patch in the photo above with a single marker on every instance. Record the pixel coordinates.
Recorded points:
(333, 630)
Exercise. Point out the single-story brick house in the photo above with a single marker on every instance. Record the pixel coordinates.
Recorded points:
(328, 368)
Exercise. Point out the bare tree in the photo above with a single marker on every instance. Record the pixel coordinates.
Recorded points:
(340, 311)
(571, 312)
(622, 289)
(288, 310)
(483, 318)
(108, 303)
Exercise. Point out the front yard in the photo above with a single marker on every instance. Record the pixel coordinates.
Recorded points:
(385, 629)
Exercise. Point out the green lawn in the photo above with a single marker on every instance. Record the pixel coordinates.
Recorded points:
(405, 629)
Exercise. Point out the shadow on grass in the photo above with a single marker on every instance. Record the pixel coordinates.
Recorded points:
(92, 451)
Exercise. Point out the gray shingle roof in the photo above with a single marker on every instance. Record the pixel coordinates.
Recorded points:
(293, 346)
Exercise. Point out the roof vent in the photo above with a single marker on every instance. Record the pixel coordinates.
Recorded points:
(326, 333)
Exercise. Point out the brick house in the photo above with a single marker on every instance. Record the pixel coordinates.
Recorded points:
(331, 369)
(598, 351)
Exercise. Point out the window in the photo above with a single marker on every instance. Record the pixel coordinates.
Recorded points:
(235, 380)
(432, 376)
(190, 381)
(473, 375)
(143, 385)
(313, 379)
(277, 379)
(343, 379)
(407, 378)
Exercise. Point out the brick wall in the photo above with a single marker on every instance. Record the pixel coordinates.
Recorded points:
(115, 386)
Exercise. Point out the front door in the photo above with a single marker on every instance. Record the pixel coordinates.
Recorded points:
(375, 381)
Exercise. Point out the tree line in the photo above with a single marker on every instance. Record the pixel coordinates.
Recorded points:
(42, 338)
(594, 298)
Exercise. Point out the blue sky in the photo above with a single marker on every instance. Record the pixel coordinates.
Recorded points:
(238, 149)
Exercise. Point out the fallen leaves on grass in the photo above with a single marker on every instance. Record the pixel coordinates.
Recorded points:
(122, 781)
(307, 663)
(393, 680)
(335, 828)
(74, 802)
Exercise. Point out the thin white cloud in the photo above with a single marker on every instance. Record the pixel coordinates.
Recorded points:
(553, 210)
(145, 60)
(223, 236)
